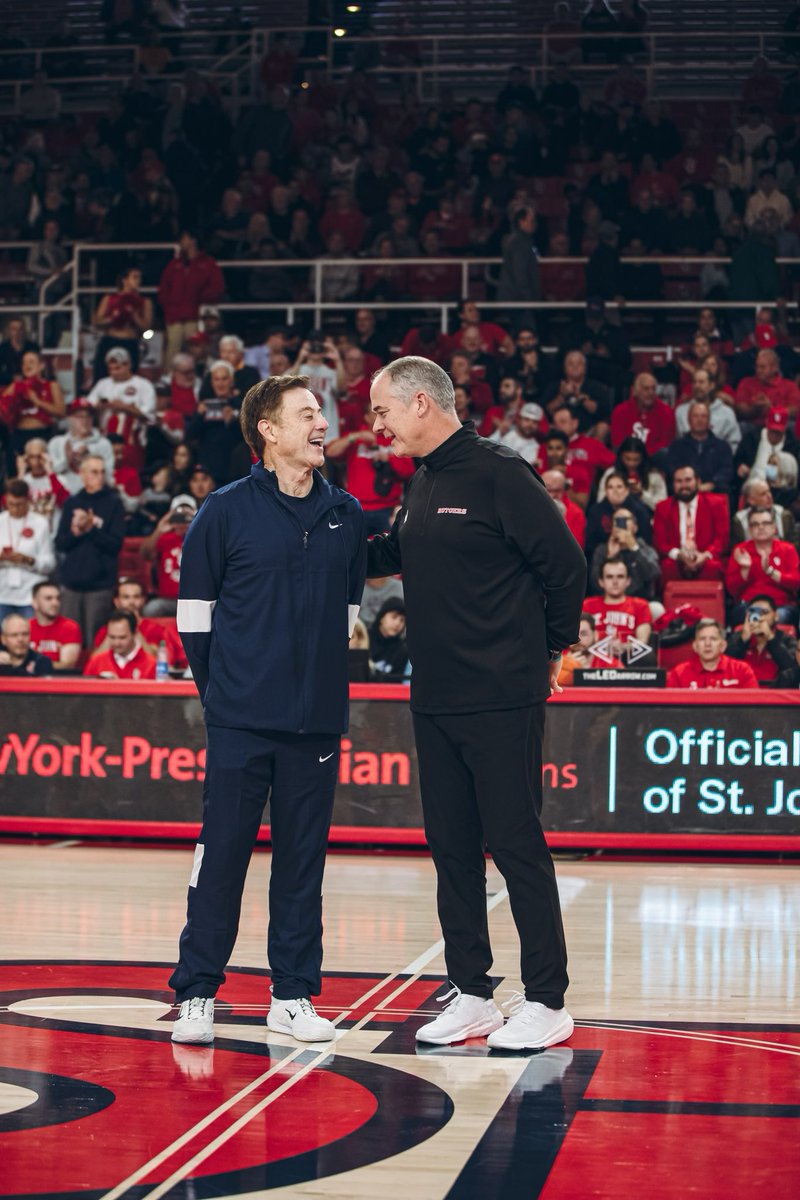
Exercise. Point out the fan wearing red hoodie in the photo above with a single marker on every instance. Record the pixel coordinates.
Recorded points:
(125, 658)
(644, 416)
(190, 280)
(711, 667)
(764, 565)
(374, 475)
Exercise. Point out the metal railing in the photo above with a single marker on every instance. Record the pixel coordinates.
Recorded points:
(661, 57)
(61, 320)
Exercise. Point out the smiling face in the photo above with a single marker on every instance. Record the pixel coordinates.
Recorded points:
(398, 422)
(296, 435)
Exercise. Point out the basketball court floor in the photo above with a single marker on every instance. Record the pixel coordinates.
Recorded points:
(682, 1078)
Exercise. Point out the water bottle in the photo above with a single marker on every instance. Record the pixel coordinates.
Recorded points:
(162, 662)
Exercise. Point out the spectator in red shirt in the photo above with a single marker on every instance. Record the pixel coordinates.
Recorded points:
(342, 216)
(493, 338)
(768, 650)
(461, 375)
(354, 401)
(125, 657)
(555, 481)
(644, 416)
(767, 389)
(690, 530)
(433, 281)
(190, 280)
(165, 545)
(130, 596)
(583, 451)
(618, 616)
(426, 342)
(374, 475)
(562, 280)
(711, 667)
(183, 384)
(764, 565)
(52, 635)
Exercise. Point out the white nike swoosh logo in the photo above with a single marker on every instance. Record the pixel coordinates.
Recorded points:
(729, 682)
(327, 756)
(334, 526)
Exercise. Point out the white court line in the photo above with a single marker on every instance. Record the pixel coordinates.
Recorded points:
(412, 970)
(65, 845)
(698, 1035)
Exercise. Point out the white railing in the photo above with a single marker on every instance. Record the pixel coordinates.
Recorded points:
(60, 322)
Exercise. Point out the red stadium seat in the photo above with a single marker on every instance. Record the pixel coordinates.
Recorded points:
(670, 656)
(707, 595)
(131, 565)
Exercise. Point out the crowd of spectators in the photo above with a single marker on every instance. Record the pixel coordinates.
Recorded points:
(681, 468)
(654, 495)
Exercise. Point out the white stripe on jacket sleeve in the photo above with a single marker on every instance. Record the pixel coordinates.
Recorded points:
(352, 617)
(194, 616)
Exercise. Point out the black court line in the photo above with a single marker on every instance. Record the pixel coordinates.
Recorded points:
(516, 1154)
(691, 1108)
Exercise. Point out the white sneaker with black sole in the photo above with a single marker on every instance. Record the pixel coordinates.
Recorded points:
(532, 1026)
(195, 1023)
(300, 1020)
(464, 1017)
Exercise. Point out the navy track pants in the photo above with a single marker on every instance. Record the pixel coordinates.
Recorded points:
(244, 768)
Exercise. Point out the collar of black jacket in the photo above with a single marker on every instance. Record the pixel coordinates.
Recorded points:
(455, 447)
(329, 495)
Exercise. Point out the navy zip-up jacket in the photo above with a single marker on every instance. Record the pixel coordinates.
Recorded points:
(266, 604)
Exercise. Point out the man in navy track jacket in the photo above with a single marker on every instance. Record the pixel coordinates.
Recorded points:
(271, 579)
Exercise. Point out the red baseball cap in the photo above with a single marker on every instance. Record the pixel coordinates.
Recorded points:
(79, 403)
(765, 337)
(778, 419)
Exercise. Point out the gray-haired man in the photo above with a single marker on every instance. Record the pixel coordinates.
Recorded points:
(494, 584)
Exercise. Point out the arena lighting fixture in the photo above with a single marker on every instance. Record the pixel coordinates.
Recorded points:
(304, 85)
(148, 333)
(339, 32)
(354, 8)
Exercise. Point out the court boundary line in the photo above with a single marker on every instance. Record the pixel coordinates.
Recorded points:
(409, 975)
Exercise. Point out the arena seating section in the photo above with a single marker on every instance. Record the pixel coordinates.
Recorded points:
(412, 142)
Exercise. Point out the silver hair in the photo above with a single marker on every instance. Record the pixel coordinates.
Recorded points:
(221, 365)
(231, 339)
(749, 484)
(10, 617)
(415, 374)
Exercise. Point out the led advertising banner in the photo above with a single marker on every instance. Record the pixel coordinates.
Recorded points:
(614, 764)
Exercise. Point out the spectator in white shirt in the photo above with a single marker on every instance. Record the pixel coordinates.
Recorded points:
(324, 381)
(126, 403)
(522, 432)
(768, 197)
(26, 550)
(82, 440)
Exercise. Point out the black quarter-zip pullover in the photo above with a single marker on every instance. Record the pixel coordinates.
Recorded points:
(492, 577)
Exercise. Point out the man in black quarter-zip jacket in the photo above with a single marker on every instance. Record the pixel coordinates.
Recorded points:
(271, 579)
(494, 585)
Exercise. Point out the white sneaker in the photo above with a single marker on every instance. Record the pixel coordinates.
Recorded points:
(464, 1017)
(299, 1019)
(195, 1023)
(532, 1026)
